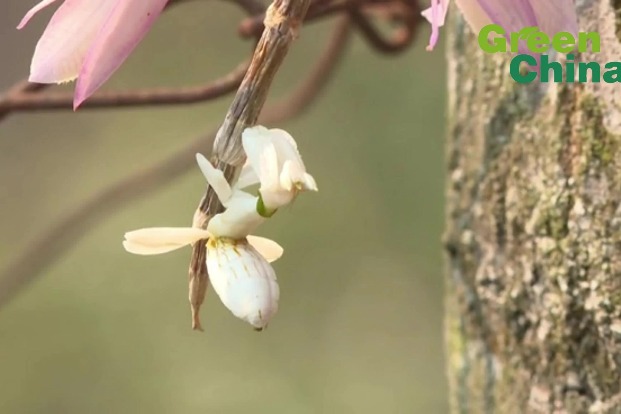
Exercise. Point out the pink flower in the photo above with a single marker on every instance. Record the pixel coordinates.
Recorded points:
(551, 16)
(89, 40)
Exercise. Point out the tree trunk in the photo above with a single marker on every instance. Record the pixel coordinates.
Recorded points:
(533, 235)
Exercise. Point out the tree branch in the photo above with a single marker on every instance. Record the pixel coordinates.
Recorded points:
(24, 100)
(403, 12)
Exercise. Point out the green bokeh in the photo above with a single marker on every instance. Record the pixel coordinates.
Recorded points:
(360, 322)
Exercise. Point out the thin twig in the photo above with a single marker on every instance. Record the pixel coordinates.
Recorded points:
(404, 12)
(53, 242)
(316, 81)
(20, 87)
(23, 101)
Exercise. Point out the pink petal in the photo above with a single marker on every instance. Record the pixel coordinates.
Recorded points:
(61, 49)
(436, 15)
(551, 16)
(555, 16)
(428, 12)
(474, 14)
(512, 15)
(127, 25)
(36, 9)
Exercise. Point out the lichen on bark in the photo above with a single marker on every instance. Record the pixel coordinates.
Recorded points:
(533, 238)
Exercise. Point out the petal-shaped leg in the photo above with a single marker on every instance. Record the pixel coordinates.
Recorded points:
(159, 240)
(267, 248)
(215, 178)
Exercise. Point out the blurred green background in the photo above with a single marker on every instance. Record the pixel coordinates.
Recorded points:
(360, 321)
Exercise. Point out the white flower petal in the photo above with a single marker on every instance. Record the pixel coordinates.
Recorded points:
(244, 280)
(157, 240)
(267, 248)
(215, 178)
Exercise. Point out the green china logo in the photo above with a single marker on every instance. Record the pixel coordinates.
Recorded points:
(495, 39)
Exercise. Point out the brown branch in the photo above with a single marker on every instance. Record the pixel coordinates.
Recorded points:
(21, 100)
(317, 79)
(19, 88)
(406, 13)
(251, 26)
(53, 242)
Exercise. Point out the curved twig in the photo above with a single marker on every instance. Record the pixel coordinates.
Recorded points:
(69, 229)
(315, 82)
(23, 101)
(404, 12)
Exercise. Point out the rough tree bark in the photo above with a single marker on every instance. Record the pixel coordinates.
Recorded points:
(533, 235)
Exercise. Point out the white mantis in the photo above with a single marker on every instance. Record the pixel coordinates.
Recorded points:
(238, 263)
